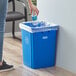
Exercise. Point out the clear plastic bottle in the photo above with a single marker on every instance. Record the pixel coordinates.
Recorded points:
(34, 16)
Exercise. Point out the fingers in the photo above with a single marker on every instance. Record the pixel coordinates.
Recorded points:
(36, 11)
(31, 11)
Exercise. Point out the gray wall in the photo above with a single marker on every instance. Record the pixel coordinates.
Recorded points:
(62, 12)
(19, 7)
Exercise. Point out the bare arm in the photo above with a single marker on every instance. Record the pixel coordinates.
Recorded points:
(30, 2)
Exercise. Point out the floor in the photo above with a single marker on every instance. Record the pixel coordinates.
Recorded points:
(13, 54)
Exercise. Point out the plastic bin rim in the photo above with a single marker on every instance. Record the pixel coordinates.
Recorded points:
(32, 30)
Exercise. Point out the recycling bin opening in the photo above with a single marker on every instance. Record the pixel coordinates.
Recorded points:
(39, 43)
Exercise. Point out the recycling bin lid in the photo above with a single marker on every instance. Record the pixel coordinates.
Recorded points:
(38, 26)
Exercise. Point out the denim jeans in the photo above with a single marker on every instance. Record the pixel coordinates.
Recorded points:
(3, 9)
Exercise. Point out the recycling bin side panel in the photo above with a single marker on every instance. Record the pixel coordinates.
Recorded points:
(44, 49)
(26, 46)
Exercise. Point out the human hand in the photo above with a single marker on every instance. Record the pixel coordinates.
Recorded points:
(34, 9)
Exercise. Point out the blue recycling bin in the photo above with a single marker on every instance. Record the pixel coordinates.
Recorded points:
(39, 44)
